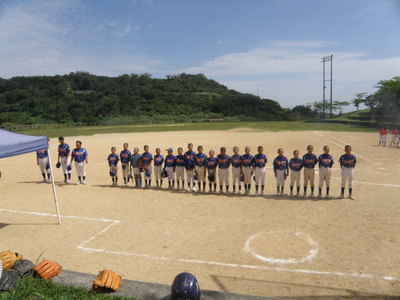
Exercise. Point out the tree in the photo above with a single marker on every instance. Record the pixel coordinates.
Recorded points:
(338, 105)
(371, 102)
(360, 98)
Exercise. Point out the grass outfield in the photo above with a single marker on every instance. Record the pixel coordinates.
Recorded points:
(39, 289)
(265, 126)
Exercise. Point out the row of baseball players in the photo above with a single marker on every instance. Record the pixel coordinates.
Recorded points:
(198, 165)
(383, 134)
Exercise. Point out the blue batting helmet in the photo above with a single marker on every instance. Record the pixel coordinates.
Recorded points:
(58, 165)
(69, 167)
(112, 173)
(147, 173)
(185, 286)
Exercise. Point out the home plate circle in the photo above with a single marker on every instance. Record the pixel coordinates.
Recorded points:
(281, 247)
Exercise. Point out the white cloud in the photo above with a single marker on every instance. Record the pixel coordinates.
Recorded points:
(46, 37)
(291, 72)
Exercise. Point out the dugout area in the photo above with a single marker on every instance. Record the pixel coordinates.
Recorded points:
(275, 247)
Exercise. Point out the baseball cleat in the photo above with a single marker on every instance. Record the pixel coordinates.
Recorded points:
(341, 196)
(278, 194)
(44, 180)
(351, 197)
(188, 189)
(298, 195)
(84, 182)
(78, 182)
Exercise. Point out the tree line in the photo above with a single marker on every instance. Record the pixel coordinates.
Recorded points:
(84, 97)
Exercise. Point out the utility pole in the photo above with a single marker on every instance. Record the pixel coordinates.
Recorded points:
(324, 60)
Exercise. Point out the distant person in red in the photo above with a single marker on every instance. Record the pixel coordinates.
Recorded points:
(395, 133)
(383, 136)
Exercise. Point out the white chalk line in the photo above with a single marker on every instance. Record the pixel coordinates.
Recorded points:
(311, 254)
(196, 261)
(371, 183)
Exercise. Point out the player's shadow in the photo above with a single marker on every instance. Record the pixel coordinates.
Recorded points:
(302, 198)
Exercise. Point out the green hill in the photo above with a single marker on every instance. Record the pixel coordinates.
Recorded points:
(84, 97)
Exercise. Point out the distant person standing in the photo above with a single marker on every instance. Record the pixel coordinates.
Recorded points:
(64, 158)
(146, 160)
(42, 158)
(347, 164)
(113, 164)
(125, 157)
(247, 169)
(325, 162)
(135, 165)
(158, 162)
(200, 167)
(259, 162)
(236, 160)
(169, 166)
(309, 162)
(80, 156)
(189, 166)
(180, 169)
(295, 165)
(394, 137)
(281, 171)
(223, 163)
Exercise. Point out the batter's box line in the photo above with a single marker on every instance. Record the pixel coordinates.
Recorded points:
(192, 261)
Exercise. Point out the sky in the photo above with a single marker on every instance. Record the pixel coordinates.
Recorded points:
(270, 48)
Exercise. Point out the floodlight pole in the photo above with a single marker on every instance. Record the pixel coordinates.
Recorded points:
(331, 88)
(324, 60)
(323, 88)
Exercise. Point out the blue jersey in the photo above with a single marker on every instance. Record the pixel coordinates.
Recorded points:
(125, 156)
(180, 160)
(135, 159)
(296, 164)
(158, 159)
(113, 159)
(201, 159)
(189, 159)
(247, 160)
(236, 160)
(309, 160)
(260, 160)
(223, 161)
(325, 160)
(348, 161)
(41, 153)
(211, 163)
(147, 158)
(170, 161)
(63, 150)
(79, 154)
(281, 163)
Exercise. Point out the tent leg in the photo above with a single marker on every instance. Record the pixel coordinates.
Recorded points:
(54, 188)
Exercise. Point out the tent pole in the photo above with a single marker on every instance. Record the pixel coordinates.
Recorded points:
(54, 187)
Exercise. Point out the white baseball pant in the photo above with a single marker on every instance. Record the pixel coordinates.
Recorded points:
(280, 177)
(260, 175)
(136, 171)
(295, 177)
(42, 165)
(394, 138)
(247, 175)
(324, 175)
(235, 176)
(65, 161)
(189, 176)
(201, 173)
(223, 176)
(347, 175)
(125, 171)
(180, 173)
(157, 172)
(309, 175)
(171, 174)
(383, 138)
(80, 168)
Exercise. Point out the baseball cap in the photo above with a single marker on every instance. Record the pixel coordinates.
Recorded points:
(169, 150)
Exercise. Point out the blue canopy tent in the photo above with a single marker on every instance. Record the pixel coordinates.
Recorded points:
(12, 144)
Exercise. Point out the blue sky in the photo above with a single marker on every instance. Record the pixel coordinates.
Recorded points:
(266, 47)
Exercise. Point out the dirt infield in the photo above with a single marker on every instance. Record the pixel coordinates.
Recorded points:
(268, 246)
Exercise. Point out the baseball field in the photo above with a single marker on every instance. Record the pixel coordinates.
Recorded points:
(268, 246)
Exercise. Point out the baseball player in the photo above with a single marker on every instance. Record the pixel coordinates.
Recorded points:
(259, 162)
(158, 162)
(325, 162)
(383, 136)
(394, 137)
(169, 166)
(309, 162)
(281, 171)
(247, 169)
(189, 167)
(42, 159)
(211, 168)
(80, 156)
(200, 164)
(146, 161)
(113, 164)
(398, 137)
(223, 163)
(347, 164)
(236, 160)
(180, 168)
(125, 156)
(295, 165)
(136, 158)
(64, 159)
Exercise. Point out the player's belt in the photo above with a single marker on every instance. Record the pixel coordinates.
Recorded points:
(235, 167)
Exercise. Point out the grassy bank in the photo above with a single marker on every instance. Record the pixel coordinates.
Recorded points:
(267, 126)
(39, 289)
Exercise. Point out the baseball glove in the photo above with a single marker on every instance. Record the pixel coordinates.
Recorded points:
(47, 166)
(112, 173)
(69, 167)
(9, 258)
(140, 169)
(47, 269)
(241, 177)
(107, 281)
(8, 280)
(164, 174)
(58, 165)
(211, 177)
(24, 268)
